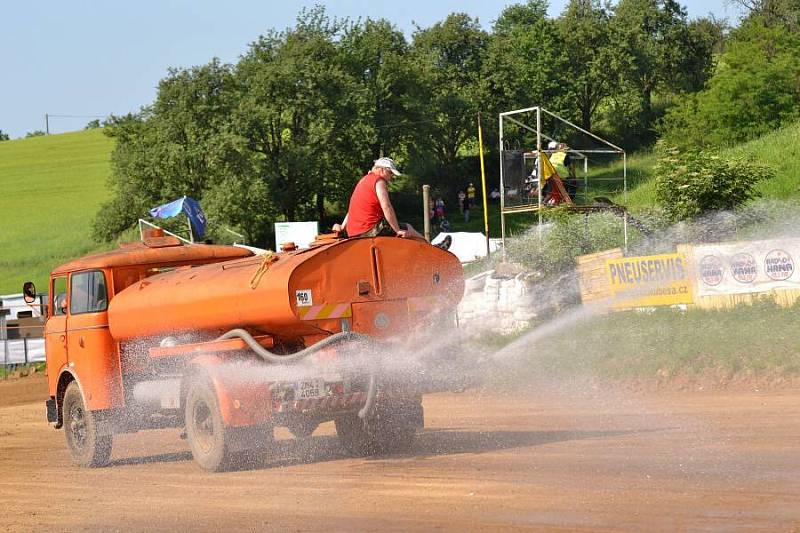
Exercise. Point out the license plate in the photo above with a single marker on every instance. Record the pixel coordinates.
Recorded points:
(309, 389)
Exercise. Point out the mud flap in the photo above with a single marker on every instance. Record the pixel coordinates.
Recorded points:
(52, 411)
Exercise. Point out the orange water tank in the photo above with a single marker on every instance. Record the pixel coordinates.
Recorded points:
(373, 285)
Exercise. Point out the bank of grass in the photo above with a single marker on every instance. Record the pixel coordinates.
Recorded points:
(779, 149)
(22, 370)
(52, 187)
(757, 340)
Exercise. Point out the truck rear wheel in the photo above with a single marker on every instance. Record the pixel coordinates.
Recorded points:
(86, 447)
(205, 429)
(391, 428)
(214, 446)
(302, 429)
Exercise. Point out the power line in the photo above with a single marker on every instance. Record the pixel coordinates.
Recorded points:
(76, 116)
(48, 116)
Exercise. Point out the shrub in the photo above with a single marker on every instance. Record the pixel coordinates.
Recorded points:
(692, 183)
(565, 236)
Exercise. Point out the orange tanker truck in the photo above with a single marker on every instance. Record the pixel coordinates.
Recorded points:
(228, 345)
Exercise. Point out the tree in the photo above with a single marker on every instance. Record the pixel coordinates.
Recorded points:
(593, 63)
(298, 112)
(525, 66)
(658, 50)
(526, 60)
(4, 136)
(520, 16)
(37, 133)
(753, 91)
(449, 58)
(711, 30)
(375, 54)
(92, 124)
(180, 145)
(773, 12)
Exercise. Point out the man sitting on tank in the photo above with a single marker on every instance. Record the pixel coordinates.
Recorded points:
(371, 213)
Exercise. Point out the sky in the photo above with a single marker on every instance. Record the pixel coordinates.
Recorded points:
(92, 58)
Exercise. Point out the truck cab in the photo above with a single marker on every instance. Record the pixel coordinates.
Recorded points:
(79, 348)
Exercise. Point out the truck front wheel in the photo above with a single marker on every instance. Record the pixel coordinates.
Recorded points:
(391, 428)
(86, 447)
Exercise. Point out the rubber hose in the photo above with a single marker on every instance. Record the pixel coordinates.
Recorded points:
(270, 357)
(266, 355)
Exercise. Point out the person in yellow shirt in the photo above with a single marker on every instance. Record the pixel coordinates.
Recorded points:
(471, 192)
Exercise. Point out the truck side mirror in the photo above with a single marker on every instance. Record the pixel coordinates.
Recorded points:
(29, 292)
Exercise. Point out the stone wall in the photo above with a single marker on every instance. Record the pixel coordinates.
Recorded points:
(492, 302)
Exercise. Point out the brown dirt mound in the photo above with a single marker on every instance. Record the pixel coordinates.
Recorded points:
(24, 390)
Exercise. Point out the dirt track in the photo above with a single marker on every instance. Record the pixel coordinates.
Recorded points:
(543, 460)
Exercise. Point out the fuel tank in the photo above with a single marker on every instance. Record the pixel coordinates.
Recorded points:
(378, 286)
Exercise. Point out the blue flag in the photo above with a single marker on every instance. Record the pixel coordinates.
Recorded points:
(188, 206)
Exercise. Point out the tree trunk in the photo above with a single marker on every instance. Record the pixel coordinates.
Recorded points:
(647, 105)
(586, 117)
(321, 204)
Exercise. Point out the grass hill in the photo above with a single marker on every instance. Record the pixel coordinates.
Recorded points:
(779, 149)
(50, 190)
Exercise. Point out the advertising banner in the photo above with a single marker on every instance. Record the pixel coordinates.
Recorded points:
(650, 280)
(746, 267)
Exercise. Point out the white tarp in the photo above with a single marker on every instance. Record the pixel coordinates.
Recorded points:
(300, 233)
(468, 246)
(16, 351)
(746, 267)
(15, 303)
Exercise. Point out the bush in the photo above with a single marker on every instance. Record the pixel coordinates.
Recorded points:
(566, 236)
(692, 183)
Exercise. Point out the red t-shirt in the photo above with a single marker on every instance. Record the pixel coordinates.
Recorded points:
(365, 210)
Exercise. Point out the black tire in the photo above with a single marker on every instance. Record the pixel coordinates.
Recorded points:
(391, 429)
(86, 447)
(215, 447)
(302, 429)
(205, 429)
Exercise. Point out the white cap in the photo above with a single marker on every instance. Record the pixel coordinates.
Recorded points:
(552, 145)
(387, 162)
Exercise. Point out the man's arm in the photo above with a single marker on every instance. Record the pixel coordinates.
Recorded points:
(386, 205)
(341, 227)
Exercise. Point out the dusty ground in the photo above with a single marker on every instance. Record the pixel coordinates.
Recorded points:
(544, 460)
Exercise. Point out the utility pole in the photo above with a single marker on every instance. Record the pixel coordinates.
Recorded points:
(47, 123)
(4, 336)
(426, 195)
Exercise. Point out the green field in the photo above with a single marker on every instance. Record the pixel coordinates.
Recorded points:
(52, 187)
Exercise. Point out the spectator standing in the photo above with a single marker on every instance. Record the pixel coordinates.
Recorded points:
(465, 208)
(440, 209)
(461, 198)
(471, 192)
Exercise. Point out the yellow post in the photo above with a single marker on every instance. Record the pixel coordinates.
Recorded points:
(483, 185)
